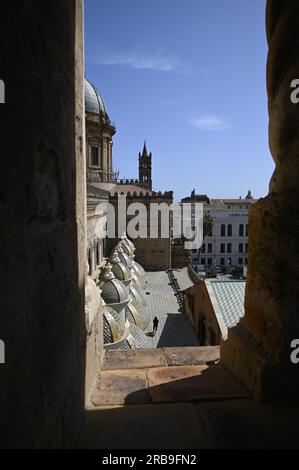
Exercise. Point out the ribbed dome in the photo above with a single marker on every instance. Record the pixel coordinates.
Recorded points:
(94, 102)
(125, 259)
(108, 336)
(138, 298)
(138, 339)
(119, 269)
(127, 249)
(140, 318)
(113, 291)
(139, 270)
(114, 326)
(126, 240)
(127, 246)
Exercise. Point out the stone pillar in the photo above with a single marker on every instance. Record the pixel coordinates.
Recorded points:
(258, 350)
(42, 210)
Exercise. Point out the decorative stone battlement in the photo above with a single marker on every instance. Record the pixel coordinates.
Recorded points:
(167, 195)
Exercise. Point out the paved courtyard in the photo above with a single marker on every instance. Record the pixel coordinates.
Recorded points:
(174, 327)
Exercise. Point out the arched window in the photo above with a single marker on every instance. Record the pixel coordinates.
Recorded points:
(223, 230)
(241, 230)
(229, 230)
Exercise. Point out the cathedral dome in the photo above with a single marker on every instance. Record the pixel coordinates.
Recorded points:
(94, 103)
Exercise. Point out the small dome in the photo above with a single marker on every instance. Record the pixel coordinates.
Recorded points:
(139, 270)
(124, 258)
(139, 273)
(119, 269)
(127, 246)
(127, 249)
(94, 102)
(138, 339)
(139, 318)
(108, 336)
(114, 326)
(138, 298)
(113, 291)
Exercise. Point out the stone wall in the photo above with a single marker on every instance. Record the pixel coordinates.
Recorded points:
(42, 199)
(198, 306)
(154, 254)
(258, 350)
(97, 201)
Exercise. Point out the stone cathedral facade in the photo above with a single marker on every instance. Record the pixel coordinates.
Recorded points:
(105, 185)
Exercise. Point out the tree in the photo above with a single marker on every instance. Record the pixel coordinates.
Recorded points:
(208, 224)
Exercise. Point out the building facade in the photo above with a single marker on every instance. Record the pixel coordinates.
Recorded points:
(226, 245)
(99, 137)
(104, 182)
(213, 306)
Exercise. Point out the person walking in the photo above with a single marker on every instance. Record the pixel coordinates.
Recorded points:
(155, 325)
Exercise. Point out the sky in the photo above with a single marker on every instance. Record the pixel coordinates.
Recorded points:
(189, 76)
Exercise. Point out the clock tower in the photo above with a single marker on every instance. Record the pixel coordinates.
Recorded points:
(145, 169)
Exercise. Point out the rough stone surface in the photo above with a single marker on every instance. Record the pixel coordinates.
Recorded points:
(258, 350)
(245, 424)
(192, 355)
(153, 253)
(144, 427)
(193, 383)
(121, 387)
(42, 235)
(135, 359)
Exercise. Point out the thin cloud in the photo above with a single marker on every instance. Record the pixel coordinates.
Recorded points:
(209, 123)
(143, 62)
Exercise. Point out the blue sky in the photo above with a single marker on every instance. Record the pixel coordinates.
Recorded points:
(190, 77)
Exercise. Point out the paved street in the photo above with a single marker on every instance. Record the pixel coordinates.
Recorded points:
(174, 327)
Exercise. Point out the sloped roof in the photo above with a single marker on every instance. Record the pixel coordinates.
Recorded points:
(227, 297)
(183, 278)
(232, 201)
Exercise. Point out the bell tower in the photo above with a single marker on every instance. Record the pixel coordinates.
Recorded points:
(145, 169)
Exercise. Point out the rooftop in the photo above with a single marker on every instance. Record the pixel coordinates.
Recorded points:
(183, 278)
(227, 298)
(113, 188)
